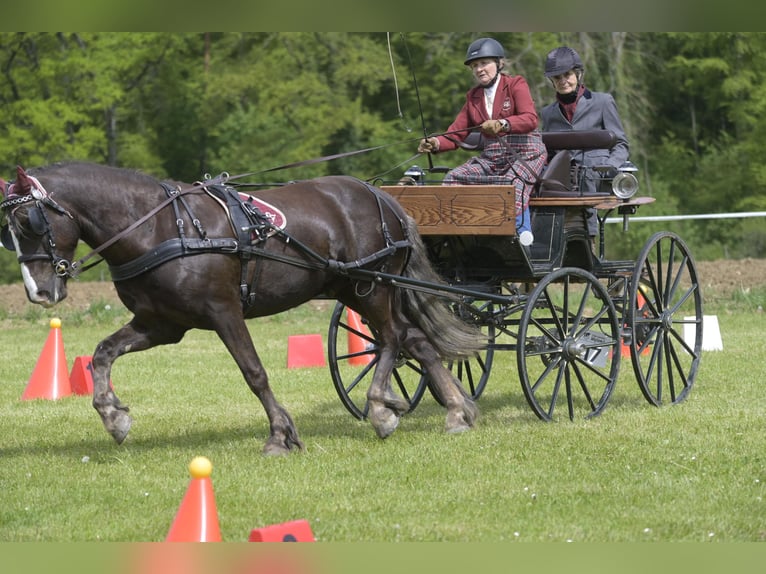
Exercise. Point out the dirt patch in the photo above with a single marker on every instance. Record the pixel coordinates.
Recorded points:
(725, 277)
(720, 278)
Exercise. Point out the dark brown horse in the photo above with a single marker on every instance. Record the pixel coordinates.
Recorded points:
(189, 256)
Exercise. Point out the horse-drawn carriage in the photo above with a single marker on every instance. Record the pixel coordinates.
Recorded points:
(439, 277)
(567, 312)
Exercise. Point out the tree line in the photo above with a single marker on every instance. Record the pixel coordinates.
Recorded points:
(188, 104)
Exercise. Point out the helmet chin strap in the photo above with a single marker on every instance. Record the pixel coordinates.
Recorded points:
(497, 75)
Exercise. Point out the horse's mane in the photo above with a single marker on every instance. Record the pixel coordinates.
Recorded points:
(75, 168)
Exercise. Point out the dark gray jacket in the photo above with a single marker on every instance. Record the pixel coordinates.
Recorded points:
(594, 111)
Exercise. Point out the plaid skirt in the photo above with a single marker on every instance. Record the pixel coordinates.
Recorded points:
(513, 159)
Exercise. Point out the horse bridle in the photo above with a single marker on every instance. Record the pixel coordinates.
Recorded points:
(40, 226)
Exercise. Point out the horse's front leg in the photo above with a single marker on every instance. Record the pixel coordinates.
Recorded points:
(283, 437)
(128, 339)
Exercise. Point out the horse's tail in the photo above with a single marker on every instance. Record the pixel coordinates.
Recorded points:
(452, 337)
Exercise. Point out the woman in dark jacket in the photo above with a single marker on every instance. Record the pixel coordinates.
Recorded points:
(577, 108)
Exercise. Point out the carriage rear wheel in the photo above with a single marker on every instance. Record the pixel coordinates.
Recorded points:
(568, 349)
(353, 351)
(665, 320)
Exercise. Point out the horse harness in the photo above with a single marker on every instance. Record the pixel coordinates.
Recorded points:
(253, 228)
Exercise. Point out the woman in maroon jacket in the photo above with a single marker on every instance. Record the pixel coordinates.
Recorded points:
(501, 108)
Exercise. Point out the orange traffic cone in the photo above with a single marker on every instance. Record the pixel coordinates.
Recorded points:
(197, 517)
(81, 376)
(295, 531)
(305, 351)
(640, 304)
(357, 345)
(50, 379)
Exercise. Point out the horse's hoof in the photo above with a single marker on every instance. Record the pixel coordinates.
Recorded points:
(383, 420)
(120, 427)
(457, 429)
(462, 421)
(282, 447)
(275, 450)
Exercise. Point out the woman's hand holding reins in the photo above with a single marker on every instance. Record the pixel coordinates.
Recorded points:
(428, 145)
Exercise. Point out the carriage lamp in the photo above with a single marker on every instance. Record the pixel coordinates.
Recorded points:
(416, 173)
(625, 183)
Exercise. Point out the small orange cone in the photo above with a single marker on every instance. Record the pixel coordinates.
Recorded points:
(305, 351)
(640, 304)
(197, 517)
(50, 379)
(81, 376)
(357, 345)
(295, 531)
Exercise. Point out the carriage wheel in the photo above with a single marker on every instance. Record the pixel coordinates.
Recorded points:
(352, 369)
(568, 346)
(474, 373)
(664, 318)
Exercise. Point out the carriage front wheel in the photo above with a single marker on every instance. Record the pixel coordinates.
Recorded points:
(568, 349)
(352, 348)
(664, 319)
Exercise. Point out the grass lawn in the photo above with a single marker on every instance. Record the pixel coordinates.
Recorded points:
(693, 472)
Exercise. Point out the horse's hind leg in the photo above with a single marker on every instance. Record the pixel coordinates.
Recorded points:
(130, 338)
(461, 409)
(385, 406)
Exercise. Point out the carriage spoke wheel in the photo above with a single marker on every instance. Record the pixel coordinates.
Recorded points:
(665, 320)
(568, 349)
(473, 373)
(353, 352)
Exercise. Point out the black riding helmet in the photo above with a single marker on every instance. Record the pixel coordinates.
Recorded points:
(560, 60)
(484, 48)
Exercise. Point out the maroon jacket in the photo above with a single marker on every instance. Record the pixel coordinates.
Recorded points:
(513, 101)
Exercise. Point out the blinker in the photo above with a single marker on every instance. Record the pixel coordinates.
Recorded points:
(37, 221)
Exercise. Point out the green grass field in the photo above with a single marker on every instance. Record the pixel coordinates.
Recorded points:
(692, 472)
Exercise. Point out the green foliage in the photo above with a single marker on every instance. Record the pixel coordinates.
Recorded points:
(185, 104)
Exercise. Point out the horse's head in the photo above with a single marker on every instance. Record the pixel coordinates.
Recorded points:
(43, 235)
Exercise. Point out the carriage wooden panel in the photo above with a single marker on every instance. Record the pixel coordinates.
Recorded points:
(481, 209)
(459, 209)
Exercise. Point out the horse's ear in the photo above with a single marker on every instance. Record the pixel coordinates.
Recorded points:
(22, 180)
